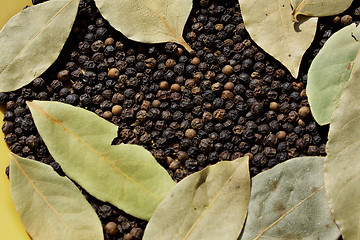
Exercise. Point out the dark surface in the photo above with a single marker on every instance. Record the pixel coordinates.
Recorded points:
(188, 112)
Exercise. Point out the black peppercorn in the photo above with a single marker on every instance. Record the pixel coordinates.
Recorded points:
(282, 156)
(170, 47)
(313, 151)
(186, 104)
(169, 133)
(190, 133)
(270, 140)
(219, 114)
(292, 138)
(213, 157)
(225, 135)
(33, 142)
(101, 33)
(205, 145)
(72, 99)
(259, 160)
(10, 138)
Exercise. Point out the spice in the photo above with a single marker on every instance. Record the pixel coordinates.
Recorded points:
(111, 228)
(227, 100)
(229, 86)
(182, 156)
(113, 73)
(304, 112)
(227, 70)
(175, 87)
(346, 20)
(164, 85)
(190, 133)
(195, 61)
(281, 135)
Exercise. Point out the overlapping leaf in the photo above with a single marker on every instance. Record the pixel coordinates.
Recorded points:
(148, 21)
(269, 25)
(32, 40)
(342, 165)
(330, 70)
(318, 8)
(51, 206)
(210, 204)
(126, 175)
(289, 202)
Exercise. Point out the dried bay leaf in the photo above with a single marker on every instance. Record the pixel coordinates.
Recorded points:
(342, 165)
(148, 21)
(318, 8)
(289, 202)
(51, 206)
(32, 40)
(270, 26)
(330, 70)
(209, 204)
(125, 175)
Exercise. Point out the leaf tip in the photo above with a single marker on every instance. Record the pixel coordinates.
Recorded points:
(186, 46)
(12, 156)
(13, 159)
(294, 72)
(29, 103)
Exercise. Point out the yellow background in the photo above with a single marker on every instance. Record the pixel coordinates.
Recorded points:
(11, 227)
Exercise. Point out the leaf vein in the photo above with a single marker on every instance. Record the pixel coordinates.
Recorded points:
(287, 213)
(37, 34)
(210, 205)
(285, 33)
(43, 197)
(100, 155)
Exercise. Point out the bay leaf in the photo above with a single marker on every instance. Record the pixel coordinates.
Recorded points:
(209, 204)
(32, 40)
(125, 175)
(330, 70)
(289, 202)
(51, 206)
(148, 21)
(342, 165)
(316, 8)
(270, 26)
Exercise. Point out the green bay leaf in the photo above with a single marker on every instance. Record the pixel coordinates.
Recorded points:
(342, 165)
(32, 40)
(51, 206)
(148, 21)
(209, 204)
(289, 202)
(319, 8)
(270, 26)
(125, 175)
(330, 70)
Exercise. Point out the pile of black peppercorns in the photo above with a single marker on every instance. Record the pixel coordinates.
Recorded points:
(228, 100)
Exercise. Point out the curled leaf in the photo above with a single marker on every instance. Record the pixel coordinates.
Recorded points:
(32, 40)
(51, 206)
(148, 21)
(269, 25)
(318, 8)
(342, 165)
(331, 69)
(210, 204)
(126, 175)
(289, 202)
